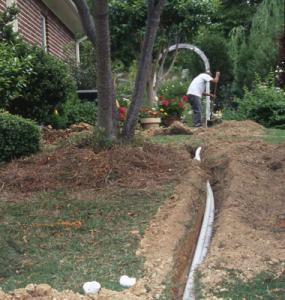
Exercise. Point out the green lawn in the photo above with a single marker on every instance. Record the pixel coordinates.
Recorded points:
(264, 286)
(64, 241)
(275, 136)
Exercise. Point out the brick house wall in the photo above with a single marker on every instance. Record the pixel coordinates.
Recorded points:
(38, 25)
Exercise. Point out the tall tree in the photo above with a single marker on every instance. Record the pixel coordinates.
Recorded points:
(257, 52)
(179, 22)
(96, 26)
(154, 11)
(97, 29)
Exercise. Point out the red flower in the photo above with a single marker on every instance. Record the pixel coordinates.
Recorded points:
(185, 98)
(122, 109)
(165, 103)
(180, 104)
(161, 98)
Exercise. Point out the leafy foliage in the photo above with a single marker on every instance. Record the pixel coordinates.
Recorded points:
(173, 88)
(180, 20)
(15, 72)
(32, 82)
(257, 53)
(7, 35)
(77, 111)
(264, 104)
(18, 137)
(49, 85)
(85, 72)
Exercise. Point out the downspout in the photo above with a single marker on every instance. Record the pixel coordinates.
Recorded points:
(77, 48)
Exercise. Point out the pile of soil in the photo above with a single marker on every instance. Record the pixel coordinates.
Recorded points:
(248, 178)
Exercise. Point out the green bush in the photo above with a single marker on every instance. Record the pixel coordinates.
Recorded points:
(14, 74)
(18, 137)
(264, 104)
(77, 111)
(49, 86)
(173, 89)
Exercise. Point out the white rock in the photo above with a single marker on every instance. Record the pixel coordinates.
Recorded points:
(91, 287)
(127, 281)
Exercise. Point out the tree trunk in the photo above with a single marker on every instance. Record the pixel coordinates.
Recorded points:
(97, 30)
(107, 113)
(155, 8)
(151, 92)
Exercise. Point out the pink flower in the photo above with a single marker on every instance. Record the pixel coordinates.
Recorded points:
(185, 98)
(180, 104)
(164, 103)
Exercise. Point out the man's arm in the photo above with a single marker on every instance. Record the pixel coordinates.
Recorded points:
(217, 77)
(209, 94)
(215, 80)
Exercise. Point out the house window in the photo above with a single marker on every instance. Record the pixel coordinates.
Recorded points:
(44, 32)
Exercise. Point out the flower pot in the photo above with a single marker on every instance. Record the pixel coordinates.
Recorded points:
(150, 123)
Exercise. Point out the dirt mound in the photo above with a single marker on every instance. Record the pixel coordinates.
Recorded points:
(249, 187)
(74, 168)
(230, 130)
(175, 128)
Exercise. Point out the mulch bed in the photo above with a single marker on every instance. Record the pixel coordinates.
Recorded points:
(74, 168)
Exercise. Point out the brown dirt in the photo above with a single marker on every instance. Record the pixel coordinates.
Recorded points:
(248, 178)
(51, 135)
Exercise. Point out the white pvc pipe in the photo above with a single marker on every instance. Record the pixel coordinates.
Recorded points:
(203, 240)
(197, 154)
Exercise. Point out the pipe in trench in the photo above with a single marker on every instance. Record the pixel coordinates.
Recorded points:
(203, 240)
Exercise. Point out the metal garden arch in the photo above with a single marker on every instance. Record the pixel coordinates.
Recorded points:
(206, 65)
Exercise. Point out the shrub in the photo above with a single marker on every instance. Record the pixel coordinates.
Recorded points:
(77, 111)
(264, 104)
(49, 85)
(173, 89)
(14, 74)
(18, 137)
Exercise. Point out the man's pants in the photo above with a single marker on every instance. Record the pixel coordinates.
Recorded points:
(195, 102)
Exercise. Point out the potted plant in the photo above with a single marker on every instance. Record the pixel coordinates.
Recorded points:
(150, 117)
(171, 109)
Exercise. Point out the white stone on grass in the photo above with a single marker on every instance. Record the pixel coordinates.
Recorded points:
(91, 287)
(127, 281)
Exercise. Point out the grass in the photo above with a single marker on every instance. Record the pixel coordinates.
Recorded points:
(64, 241)
(263, 286)
(275, 136)
(166, 139)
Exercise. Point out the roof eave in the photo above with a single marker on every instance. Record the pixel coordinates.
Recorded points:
(67, 13)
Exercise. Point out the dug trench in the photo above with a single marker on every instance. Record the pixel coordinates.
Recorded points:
(248, 180)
